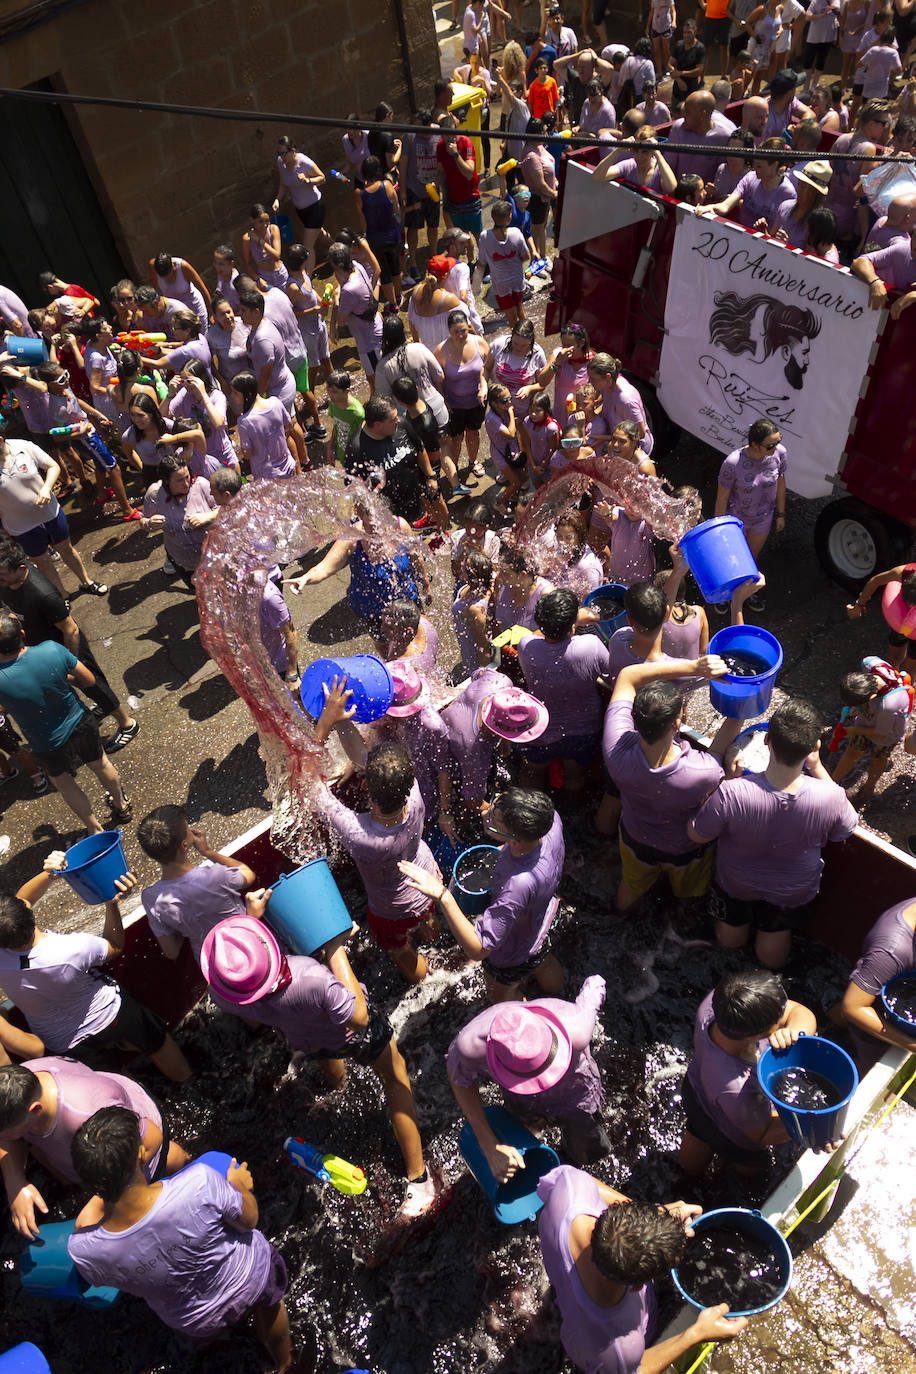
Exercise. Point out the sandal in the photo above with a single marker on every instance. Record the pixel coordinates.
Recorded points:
(94, 588)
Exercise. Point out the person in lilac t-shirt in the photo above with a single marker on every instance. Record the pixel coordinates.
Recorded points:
(470, 743)
(357, 306)
(278, 633)
(267, 353)
(661, 777)
(609, 1313)
(771, 828)
(511, 938)
(42, 1104)
(508, 1044)
(727, 1112)
(752, 484)
(187, 1245)
(419, 729)
(894, 266)
(188, 900)
(888, 951)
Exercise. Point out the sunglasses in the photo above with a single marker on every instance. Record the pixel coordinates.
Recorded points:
(768, 448)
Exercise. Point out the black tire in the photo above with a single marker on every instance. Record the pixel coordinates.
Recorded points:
(853, 542)
(664, 431)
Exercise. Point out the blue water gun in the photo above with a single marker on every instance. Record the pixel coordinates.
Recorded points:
(346, 1178)
(536, 267)
(91, 439)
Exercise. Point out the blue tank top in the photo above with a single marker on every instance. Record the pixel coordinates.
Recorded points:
(374, 585)
(381, 225)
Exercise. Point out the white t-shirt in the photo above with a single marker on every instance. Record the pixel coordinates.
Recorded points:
(791, 9)
(58, 991)
(21, 478)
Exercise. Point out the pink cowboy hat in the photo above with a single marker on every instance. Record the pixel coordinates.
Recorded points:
(241, 960)
(411, 691)
(515, 715)
(528, 1048)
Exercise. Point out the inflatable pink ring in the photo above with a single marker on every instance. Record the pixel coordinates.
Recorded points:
(900, 616)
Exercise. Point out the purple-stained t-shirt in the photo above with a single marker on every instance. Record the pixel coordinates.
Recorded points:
(523, 901)
(658, 115)
(682, 164)
(377, 849)
(887, 714)
(162, 323)
(759, 203)
(565, 677)
(542, 439)
(875, 69)
(278, 309)
(193, 350)
(312, 1011)
(265, 348)
(470, 746)
(592, 121)
(681, 638)
(580, 1087)
(184, 406)
(184, 1258)
(425, 737)
(620, 652)
(602, 1340)
(263, 433)
(13, 307)
(144, 448)
(632, 556)
(35, 407)
(895, 265)
(751, 484)
(301, 194)
(656, 803)
(226, 286)
(80, 1092)
(882, 234)
(273, 614)
(57, 990)
(628, 170)
(726, 1085)
(230, 349)
(193, 903)
(183, 541)
(506, 260)
(726, 180)
(770, 841)
(506, 613)
(356, 297)
(889, 950)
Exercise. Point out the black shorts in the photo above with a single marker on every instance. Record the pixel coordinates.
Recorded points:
(461, 418)
(366, 1047)
(716, 31)
(389, 260)
(585, 1140)
(737, 44)
(599, 10)
(538, 208)
(425, 215)
(701, 1124)
(83, 746)
(898, 639)
(508, 975)
(312, 217)
(101, 692)
(135, 1027)
(858, 87)
(763, 916)
(10, 742)
(814, 55)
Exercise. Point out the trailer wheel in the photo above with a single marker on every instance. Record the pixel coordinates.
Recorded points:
(853, 542)
(664, 431)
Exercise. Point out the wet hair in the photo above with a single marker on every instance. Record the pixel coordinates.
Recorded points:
(404, 389)
(502, 212)
(147, 295)
(455, 316)
(821, 227)
(856, 688)
(541, 401)
(795, 729)
(169, 464)
(760, 430)
(49, 372)
(257, 210)
(631, 429)
(393, 334)
(124, 284)
(578, 332)
(296, 255)
(187, 319)
(516, 560)
(90, 329)
(404, 613)
(656, 708)
(383, 111)
(19, 1088)
(498, 394)
(17, 920)
(389, 776)
(147, 406)
(246, 384)
(874, 109)
(742, 138)
(528, 814)
(252, 300)
(635, 1242)
(195, 368)
(645, 605)
(226, 480)
(105, 1151)
(162, 831)
(47, 278)
(806, 135)
(12, 554)
(691, 494)
(907, 587)
(340, 378)
(643, 48)
(594, 87)
(524, 329)
(129, 364)
(748, 1004)
(340, 259)
(555, 613)
(605, 366)
(162, 262)
(574, 520)
(286, 143)
(478, 570)
(371, 169)
(905, 127)
(225, 250)
(689, 187)
(378, 408)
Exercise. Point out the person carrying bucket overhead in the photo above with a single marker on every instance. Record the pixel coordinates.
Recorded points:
(53, 980)
(321, 1009)
(538, 1052)
(512, 937)
(392, 829)
(898, 604)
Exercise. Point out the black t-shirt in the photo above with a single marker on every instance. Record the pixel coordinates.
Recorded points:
(425, 429)
(685, 59)
(380, 144)
(390, 465)
(39, 606)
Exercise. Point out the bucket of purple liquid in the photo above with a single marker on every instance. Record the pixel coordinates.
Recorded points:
(754, 658)
(898, 1002)
(736, 1256)
(472, 876)
(811, 1083)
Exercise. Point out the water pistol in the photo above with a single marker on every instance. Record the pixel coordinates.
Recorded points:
(91, 439)
(140, 341)
(66, 431)
(338, 176)
(346, 1178)
(537, 266)
(840, 732)
(327, 298)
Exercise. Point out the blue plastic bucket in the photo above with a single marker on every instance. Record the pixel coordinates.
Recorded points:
(214, 1159)
(613, 590)
(47, 1271)
(752, 1224)
(367, 677)
(745, 737)
(898, 1022)
(818, 1127)
(306, 909)
(27, 351)
(719, 557)
(516, 1200)
(742, 698)
(471, 901)
(93, 864)
(442, 849)
(24, 1359)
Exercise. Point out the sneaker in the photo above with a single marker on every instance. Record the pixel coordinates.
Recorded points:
(41, 783)
(64, 491)
(13, 773)
(318, 433)
(422, 523)
(461, 490)
(418, 1198)
(134, 515)
(408, 281)
(120, 815)
(169, 567)
(757, 602)
(94, 588)
(719, 607)
(478, 469)
(123, 737)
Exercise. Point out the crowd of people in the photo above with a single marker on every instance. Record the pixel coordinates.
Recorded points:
(199, 389)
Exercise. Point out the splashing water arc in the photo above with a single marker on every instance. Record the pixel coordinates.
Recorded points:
(643, 498)
(273, 522)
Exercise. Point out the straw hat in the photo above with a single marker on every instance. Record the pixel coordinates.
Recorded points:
(241, 960)
(514, 715)
(411, 691)
(816, 174)
(528, 1048)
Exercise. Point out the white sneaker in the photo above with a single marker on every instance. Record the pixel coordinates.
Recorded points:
(418, 1199)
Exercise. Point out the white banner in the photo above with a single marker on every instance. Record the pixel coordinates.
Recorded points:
(755, 329)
